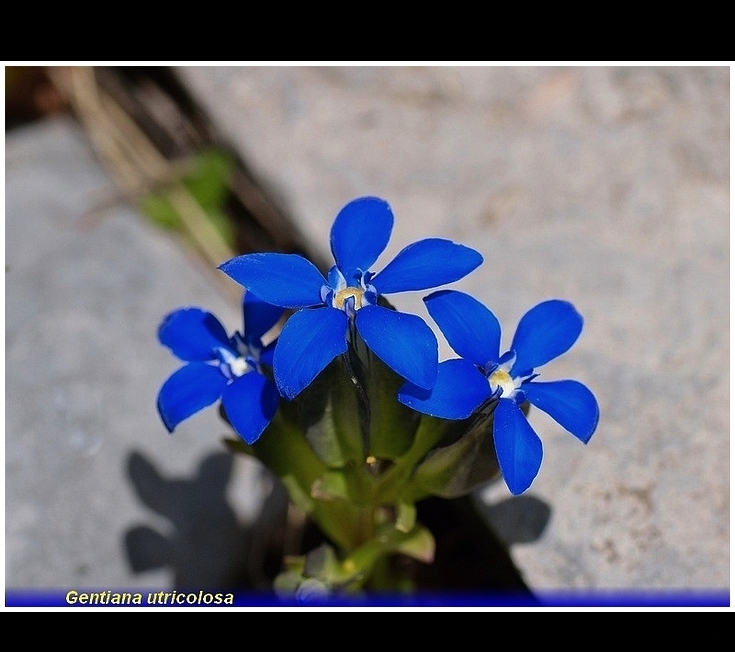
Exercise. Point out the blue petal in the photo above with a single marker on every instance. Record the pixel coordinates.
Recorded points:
(569, 403)
(188, 390)
(360, 233)
(458, 391)
(404, 342)
(309, 341)
(517, 446)
(470, 328)
(544, 333)
(286, 280)
(250, 402)
(426, 264)
(258, 317)
(193, 334)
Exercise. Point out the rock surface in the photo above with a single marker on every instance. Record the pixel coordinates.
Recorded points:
(606, 186)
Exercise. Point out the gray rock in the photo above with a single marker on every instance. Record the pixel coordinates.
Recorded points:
(98, 495)
(606, 186)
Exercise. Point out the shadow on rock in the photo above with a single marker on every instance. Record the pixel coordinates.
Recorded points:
(205, 546)
(520, 519)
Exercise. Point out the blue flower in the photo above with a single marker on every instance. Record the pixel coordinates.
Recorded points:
(464, 384)
(218, 366)
(319, 330)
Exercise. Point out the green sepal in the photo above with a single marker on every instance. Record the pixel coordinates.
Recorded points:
(329, 412)
(390, 425)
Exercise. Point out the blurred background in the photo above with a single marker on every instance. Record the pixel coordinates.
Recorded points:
(126, 186)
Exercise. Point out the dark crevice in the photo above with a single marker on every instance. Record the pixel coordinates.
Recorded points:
(162, 106)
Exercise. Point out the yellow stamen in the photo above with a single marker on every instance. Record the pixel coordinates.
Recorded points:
(343, 295)
(501, 378)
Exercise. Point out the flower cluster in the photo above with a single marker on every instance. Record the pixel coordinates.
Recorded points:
(329, 313)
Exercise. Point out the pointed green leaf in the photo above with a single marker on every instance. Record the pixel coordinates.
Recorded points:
(286, 452)
(297, 495)
(458, 468)
(322, 563)
(330, 486)
(419, 544)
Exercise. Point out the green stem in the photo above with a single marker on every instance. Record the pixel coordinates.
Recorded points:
(428, 434)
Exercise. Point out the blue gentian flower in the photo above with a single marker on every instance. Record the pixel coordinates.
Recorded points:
(326, 307)
(481, 374)
(218, 366)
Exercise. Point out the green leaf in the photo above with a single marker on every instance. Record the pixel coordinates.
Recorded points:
(406, 517)
(330, 486)
(160, 211)
(317, 575)
(208, 178)
(300, 498)
(393, 480)
(419, 544)
(458, 468)
(285, 451)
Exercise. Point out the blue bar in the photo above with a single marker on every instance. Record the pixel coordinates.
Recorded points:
(156, 598)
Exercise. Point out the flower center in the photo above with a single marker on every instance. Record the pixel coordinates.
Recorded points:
(239, 366)
(350, 296)
(344, 295)
(500, 378)
(232, 365)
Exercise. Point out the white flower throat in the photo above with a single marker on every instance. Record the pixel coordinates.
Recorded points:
(239, 365)
(501, 379)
